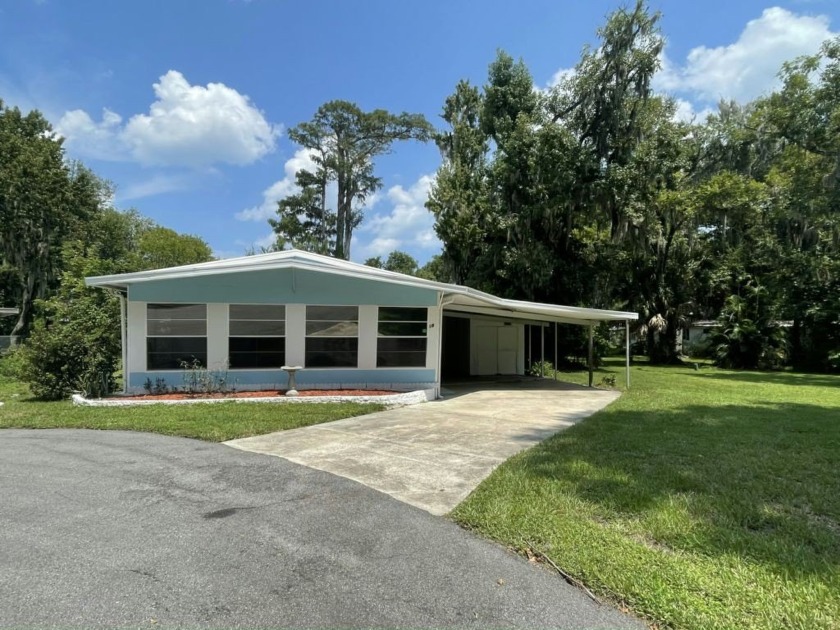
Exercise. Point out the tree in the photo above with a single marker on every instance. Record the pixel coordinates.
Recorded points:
(398, 261)
(75, 344)
(343, 142)
(458, 197)
(401, 263)
(436, 269)
(160, 247)
(305, 222)
(43, 200)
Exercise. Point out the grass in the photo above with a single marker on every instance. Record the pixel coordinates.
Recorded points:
(215, 423)
(700, 499)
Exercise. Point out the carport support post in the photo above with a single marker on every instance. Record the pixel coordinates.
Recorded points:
(542, 351)
(627, 352)
(589, 361)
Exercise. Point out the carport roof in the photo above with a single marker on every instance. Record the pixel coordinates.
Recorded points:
(8, 311)
(453, 297)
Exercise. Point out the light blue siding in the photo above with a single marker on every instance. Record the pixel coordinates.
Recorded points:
(399, 379)
(281, 286)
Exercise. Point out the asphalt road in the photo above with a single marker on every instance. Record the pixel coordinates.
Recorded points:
(115, 529)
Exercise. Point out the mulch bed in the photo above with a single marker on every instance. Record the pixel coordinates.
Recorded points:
(260, 394)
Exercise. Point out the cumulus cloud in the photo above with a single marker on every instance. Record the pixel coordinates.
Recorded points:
(188, 125)
(561, 75)
(747, 68)
(407, 225)
(97, 140)
(301, 160)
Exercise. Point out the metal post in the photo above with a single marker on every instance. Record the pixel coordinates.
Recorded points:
(542, 351)
(555, 351)
(627, 351)
(590, 355)
(530, 343)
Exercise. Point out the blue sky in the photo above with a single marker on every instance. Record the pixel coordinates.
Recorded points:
(183, 104)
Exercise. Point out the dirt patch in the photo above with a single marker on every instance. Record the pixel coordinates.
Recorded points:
(259, 394)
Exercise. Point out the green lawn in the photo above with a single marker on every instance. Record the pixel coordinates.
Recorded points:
(213, 422)
(700, 499)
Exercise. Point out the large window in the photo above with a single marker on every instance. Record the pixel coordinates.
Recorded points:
(175, 334)
(257, 336)
(332, 336)
(401, 337)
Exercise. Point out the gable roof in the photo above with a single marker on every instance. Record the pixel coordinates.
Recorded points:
(453, 296)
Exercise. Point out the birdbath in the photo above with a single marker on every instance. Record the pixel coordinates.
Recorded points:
(291, 369)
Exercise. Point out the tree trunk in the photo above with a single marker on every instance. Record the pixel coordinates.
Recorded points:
(27, 299)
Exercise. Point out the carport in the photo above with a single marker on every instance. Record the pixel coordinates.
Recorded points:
(484, 335)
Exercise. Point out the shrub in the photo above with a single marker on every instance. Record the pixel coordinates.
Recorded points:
(11, 363)
(541, 368)
(745, 339)
(75, 342)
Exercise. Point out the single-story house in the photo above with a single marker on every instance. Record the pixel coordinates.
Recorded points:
(347, 325)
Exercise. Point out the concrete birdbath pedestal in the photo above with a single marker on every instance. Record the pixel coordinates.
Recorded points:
(291, 390)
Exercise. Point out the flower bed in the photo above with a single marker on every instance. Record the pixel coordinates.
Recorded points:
(383, 397)
(254, 394)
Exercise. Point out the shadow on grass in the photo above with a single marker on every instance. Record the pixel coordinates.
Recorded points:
(759, 482)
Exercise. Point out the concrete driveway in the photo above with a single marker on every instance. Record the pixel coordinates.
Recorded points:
(434, 454)
(109, 529)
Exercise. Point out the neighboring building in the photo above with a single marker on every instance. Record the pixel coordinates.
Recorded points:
(696, 337)
(7, 341)
(346, 324)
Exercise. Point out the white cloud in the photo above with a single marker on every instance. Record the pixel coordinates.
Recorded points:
(747, 68)
(687, 113)
(561, 75)
(97, 140)
(188, 125)
(407, 226)
(302, 159)
(157, 185)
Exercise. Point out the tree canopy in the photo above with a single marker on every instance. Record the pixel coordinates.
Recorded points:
(343, 142)
(594, 193)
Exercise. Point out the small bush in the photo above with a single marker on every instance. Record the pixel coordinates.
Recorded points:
(199, 380)
(541, 368)
(11, 363)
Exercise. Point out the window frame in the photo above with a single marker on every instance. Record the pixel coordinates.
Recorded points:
(148, 337)
(380, 335)
(307, 336)
(230, 335)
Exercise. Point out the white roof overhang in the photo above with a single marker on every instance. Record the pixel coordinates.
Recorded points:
(453, 297)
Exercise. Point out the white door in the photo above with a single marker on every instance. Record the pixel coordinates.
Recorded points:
(486, 344)
(495, 350)
(508, 345)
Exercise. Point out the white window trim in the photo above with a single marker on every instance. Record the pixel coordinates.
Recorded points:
(427, 337)
(229, 335)
(147, 336)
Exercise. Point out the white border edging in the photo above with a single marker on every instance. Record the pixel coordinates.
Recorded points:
(390, 400)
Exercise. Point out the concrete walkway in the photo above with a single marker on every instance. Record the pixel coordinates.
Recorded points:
(433, 455)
